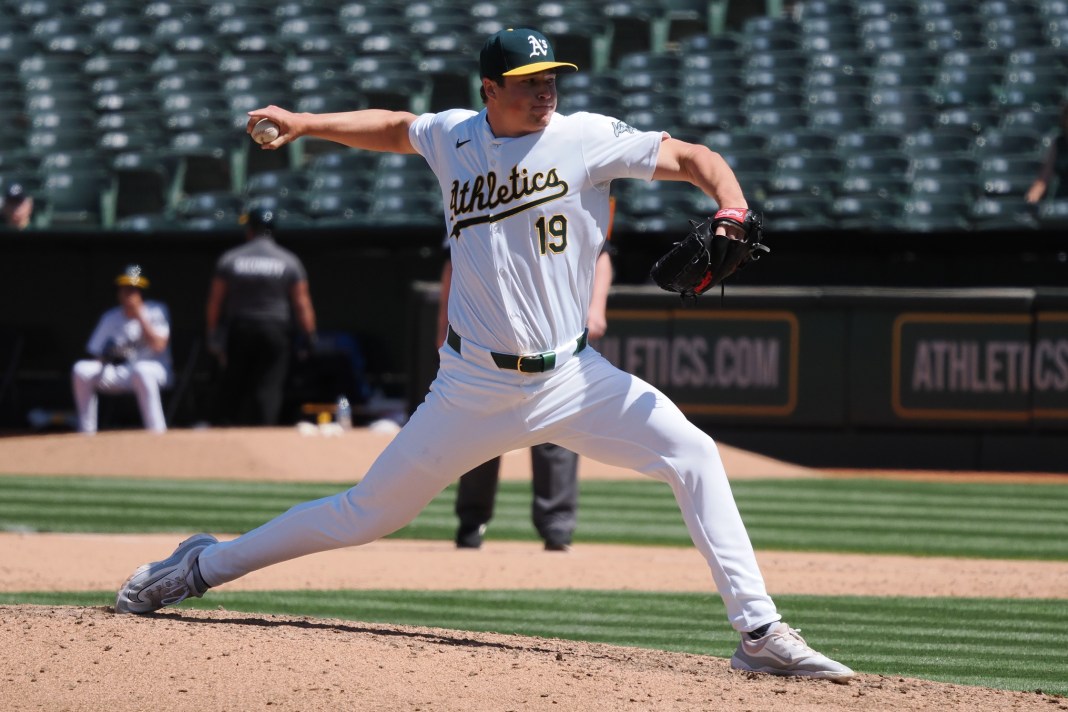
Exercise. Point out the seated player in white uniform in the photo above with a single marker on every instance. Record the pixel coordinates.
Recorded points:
(131, 352)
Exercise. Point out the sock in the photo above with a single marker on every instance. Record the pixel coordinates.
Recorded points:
(198, 580)
(760, 632)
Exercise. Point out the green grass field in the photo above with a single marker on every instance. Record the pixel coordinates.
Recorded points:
(860, 516)
(1011, 644)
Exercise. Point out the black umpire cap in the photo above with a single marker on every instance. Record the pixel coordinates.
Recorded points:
(259, 220)
(14, 194)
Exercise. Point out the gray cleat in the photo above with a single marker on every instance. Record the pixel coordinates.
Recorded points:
(165, 583)
(782, 651)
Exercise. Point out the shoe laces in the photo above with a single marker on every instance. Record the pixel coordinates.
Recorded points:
(792, 637)
(168, 587)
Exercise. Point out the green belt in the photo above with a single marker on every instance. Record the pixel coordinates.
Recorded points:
(537, 363)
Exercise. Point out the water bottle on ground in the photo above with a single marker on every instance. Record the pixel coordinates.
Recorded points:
(344, 413)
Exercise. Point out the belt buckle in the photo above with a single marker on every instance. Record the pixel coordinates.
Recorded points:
(519, 363)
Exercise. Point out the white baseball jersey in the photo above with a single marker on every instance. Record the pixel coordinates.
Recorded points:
(115, 326)
(527, 217)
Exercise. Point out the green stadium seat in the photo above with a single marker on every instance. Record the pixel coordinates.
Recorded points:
(1002, 213)
(851, 212)
(145, 183)
(938, 141)
(934, 213)
(75, 198)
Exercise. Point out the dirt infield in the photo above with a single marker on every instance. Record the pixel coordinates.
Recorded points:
(58, 658)
(90, 659)
(272, 454)
(28, 562)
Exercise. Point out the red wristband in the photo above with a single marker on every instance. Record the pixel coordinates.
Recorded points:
(736, 214)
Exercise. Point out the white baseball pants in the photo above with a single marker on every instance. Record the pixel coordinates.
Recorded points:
(475, 411)
(143, 378)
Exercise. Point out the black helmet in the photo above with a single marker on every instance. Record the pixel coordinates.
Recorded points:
(14, 194)
(259, 219)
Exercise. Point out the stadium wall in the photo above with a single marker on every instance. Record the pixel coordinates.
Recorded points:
(851, 377)
(844, 375)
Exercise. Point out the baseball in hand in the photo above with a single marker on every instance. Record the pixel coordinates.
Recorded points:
(264, 131)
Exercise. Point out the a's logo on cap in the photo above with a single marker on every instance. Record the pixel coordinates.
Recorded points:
(538, 46)
(132, 276)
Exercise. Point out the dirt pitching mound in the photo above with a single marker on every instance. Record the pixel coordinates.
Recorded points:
(91, 659)
(274, 454)
(88, 659)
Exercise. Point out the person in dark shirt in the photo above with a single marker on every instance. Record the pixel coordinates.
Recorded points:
(259, 289)
(16, 213)
(1052, 180)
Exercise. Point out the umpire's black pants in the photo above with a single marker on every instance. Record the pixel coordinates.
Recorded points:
(555, 506)
(257, 361)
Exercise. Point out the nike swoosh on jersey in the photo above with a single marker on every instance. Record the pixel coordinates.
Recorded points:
(461, 143)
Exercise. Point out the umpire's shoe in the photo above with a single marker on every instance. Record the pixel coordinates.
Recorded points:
(165, 583)
(557, 542)
(469, 536)
(782, 651)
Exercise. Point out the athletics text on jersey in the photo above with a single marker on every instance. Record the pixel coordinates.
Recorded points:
(528, 216)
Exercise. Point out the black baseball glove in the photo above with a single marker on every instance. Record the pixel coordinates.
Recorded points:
(116, 353)
(703, 259)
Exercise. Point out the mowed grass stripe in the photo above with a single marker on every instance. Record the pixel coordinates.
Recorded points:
(944, 496)
(103, 486)
(965, 641)
(849, 518)
(756, 515)
(992, 521)
(949, 500)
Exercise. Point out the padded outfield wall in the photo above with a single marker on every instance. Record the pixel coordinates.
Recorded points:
(888, 376)
(867, 377)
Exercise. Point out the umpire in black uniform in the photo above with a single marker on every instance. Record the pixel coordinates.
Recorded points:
(259, 290)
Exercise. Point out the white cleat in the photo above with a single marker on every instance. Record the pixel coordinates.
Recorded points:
(782, 651)
(165, 583)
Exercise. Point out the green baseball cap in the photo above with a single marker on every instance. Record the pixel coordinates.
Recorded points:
(512, 53)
